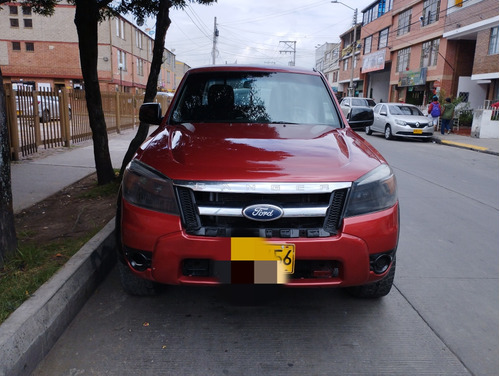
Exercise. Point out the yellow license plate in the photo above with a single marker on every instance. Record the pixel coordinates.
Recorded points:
(417, 131)
(285, 254)
(257, 249)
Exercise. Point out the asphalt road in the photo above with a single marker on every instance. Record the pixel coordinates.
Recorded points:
(441, 318)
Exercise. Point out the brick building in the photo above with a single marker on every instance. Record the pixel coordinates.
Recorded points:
(411, 50)
(42, 52)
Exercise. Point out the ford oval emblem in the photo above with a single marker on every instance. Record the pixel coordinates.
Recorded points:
(263, 212)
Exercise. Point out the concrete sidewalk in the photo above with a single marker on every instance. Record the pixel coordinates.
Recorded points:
(31, 331)
(483, 145)
(46, 173)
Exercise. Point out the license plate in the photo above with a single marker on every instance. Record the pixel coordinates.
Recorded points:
(285, 254)
(417, 131)
(257, 249)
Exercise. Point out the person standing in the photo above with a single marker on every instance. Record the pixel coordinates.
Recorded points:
(447, 117)
(434, 111)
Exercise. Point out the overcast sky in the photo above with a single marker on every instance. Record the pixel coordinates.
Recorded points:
(250, 31)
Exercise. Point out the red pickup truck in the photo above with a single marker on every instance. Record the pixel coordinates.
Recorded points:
(255, 177)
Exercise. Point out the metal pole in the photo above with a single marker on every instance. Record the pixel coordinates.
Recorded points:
(214, 46)
(351, 83)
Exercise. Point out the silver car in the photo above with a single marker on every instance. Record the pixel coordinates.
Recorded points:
(400, 120)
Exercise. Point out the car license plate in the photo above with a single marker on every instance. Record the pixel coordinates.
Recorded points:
(417, 131)
(257, 249)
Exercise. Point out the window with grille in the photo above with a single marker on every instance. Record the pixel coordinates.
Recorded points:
(368, 45)
(383, 37)
(430, 12)
(16, 46)
(28, 23)
(430, 52)
(403, 62)
(26, 11)
(404, 22)
(14, 22)
(13, 10)
(30, 46)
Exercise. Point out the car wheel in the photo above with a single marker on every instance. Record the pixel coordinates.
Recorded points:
(388, 132)
(377, 289)
(368, 130)
(45, 116)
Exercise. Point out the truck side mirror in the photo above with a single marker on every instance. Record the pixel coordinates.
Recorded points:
(150, 113)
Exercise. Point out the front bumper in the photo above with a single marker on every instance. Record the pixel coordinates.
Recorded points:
(178, 258)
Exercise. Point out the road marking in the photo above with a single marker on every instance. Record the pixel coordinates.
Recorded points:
(464, 145)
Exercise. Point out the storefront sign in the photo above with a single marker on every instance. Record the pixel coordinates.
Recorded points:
(412, 78)
(373, 62)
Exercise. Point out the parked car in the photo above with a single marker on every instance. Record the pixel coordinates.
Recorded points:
(49, 108)
(245, 181)
(400, 120)
(358, 111)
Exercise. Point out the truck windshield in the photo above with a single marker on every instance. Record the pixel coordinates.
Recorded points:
(255, 97)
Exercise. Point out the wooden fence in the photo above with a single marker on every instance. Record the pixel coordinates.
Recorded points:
(49, 119)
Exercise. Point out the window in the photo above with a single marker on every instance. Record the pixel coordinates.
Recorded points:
(14, 22)
(404, 22)
(27, 11)
(30, 46)
(140, 67)
(430, 12)
(368, 45)
(16, 46)
(377, 10)
(403, 62)
(28, 23)
(138, 39)
(493, 46)
(430, 52)
(13, 10)
(122, 60)
(120, 28)
(383, 36)
(346, 64)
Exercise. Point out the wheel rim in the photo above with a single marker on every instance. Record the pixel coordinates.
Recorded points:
(388, 132)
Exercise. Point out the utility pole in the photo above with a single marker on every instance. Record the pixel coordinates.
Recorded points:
(214, 46)
(290, 46)
(354, 42)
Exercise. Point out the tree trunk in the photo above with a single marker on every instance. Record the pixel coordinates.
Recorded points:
(86, 21)
(162, 25)
(8, 238)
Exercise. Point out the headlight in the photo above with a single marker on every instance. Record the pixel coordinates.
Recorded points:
(400, 122)
(372, 192)
(147, 188)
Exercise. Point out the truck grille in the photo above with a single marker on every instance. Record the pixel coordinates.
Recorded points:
(216, 209)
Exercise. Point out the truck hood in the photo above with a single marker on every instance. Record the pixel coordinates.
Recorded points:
(259, 152)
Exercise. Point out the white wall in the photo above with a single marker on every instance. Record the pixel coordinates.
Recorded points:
(477, 92)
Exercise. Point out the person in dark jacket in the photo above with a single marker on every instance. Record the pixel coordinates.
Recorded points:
(447, 116)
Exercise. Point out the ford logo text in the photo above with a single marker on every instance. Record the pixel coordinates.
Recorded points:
(263, 212)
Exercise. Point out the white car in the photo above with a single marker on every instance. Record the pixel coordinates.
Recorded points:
(400, 120)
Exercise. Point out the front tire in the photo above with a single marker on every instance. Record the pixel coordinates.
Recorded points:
(377, 289)
(368, 130)
(388, 132)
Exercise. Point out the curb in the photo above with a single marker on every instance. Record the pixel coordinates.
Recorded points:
(461, 145)
(29, 333)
